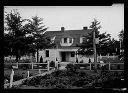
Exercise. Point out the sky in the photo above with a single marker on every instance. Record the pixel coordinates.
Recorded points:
(111, 18)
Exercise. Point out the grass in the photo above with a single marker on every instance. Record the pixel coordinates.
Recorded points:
(19, 73)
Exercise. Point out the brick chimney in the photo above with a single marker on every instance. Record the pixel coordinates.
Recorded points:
(62, 28)
(85, 28)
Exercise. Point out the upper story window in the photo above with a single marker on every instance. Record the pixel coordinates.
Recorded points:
(82, 39)
(70, 40)
(66, 41)
(53, 39)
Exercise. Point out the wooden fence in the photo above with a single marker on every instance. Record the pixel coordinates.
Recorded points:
(107, 66)
(87, 66)
(42, 66)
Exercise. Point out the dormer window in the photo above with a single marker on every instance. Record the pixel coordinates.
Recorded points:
(66, 41)
(82, 39)
(53, 39)
(70, 40)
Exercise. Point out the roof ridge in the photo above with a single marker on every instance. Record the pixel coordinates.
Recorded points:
(69, 30)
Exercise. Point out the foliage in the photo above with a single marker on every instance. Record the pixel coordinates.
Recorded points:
(37, 30)
(72, 67)
(24, 66)
(121, 38)
(24, 36)
(121, 34)
(63, 80)
(16, 77)
(52, 64)
(16, 40)
(8, 66)
(106, 44)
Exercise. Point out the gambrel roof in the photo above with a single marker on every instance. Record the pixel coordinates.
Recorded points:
(75, 34)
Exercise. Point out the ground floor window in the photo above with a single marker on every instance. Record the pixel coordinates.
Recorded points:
(72, 54)
(47, 53)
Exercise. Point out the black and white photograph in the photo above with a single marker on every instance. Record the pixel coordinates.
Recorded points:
(64, 47)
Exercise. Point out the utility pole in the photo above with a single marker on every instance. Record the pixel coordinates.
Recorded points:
(120, 46)
(94, 48)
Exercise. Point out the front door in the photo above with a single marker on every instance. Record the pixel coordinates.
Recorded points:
(63, 54)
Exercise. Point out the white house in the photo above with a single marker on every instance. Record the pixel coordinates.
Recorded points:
(66, 45)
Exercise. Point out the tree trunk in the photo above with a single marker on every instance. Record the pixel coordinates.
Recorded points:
(18, 55)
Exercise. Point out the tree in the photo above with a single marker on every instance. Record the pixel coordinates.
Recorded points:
(16, 39)
(37, 30)
(121, 34)
(113, 46)
(86, 48)
(121, 38)
(90, 47)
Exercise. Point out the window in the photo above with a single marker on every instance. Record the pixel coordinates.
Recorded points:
(82, 39)
(47, 53)
(65, 40)
(70, 40)
(87, 40)
(72, 54)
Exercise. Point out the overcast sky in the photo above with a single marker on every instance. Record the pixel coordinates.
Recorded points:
(76, 17)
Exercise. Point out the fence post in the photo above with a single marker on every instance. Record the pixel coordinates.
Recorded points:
(11, 78)
(90, 66)
(39, 71)
(109, 66)
(57, 64)
(108, 55)
(100, 56)
(17, 65)
(48, 65)
(32, 65)
(113, 56)
(28, 73)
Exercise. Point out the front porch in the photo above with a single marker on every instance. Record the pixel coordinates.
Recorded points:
(67, 56)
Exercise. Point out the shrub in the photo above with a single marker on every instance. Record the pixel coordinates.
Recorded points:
(7, 76)
(9, 66)
(72, 68)
(33, 81)
(18, 77)
(81, 61)
(57, 73)
(52, 64)
(25, 66)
